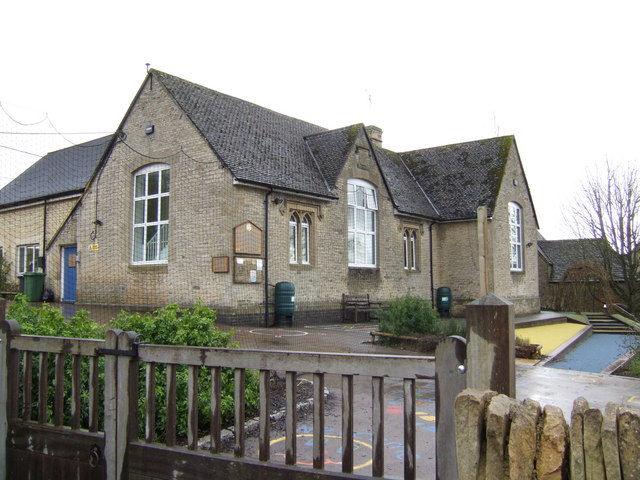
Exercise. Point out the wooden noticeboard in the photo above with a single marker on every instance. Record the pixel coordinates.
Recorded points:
(247, 239)
(220, 264)
(248, 270)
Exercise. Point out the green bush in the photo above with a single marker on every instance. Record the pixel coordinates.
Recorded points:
(5, 284)
(169, 325)
(172, 325)
(408, 315)
(49, 321)
(411, 315)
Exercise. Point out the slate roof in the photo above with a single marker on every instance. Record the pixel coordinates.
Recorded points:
(563, 254)
(263, 147)
(459, 178)
(258, 145)
(59, 173)
(408, 195)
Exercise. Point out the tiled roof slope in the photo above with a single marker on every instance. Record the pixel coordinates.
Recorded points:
(407, 194)
(58, 173)
(258, 145)
(459, 178)
(565, 253)
(265, 147)
(330, 150)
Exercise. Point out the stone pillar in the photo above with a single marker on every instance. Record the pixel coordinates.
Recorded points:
(491, 345)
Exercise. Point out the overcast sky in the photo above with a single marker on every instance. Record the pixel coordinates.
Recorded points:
(562, 76)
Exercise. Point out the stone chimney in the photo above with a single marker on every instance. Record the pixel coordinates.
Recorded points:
(375, 134)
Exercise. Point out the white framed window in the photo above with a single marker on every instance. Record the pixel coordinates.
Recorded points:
(151, 189)
(300, 238)
(26, 258)
(293, 239)
(362, 218)
(515, 237)
(305, 225)
(412, 244)
(410, 249)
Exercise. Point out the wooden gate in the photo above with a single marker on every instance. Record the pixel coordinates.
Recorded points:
(69, 408)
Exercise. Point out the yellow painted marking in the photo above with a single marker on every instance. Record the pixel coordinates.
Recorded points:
(634, 399)
(426, 417)
(550, 336)
(337, 437)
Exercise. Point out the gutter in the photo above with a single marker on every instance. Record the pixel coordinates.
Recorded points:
(273, 189)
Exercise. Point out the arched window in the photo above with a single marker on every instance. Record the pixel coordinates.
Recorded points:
(305, 225)
(293, 239)
(151, 214)
(412, 244)
(362, 218)
(405, 248)
(300, 238)
(515, 237)
(410, 249)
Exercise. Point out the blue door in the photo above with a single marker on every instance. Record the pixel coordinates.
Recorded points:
(69, 256)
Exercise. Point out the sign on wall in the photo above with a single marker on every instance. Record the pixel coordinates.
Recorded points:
(248, 270)
(247, 239)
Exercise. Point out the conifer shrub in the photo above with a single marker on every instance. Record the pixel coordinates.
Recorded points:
(410, 315)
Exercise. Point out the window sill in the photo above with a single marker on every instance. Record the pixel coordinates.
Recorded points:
(159, 268)
(301, 265)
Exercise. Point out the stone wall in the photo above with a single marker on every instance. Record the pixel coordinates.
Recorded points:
(498, 437)
(520, 288)
(206, 204)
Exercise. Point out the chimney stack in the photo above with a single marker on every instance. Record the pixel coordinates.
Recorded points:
(375, 134)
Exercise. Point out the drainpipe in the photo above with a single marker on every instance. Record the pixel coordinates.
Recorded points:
(44, 237)
(431, 261)
(266, 258)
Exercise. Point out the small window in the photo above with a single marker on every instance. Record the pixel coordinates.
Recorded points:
(27, 258)
(304, 239)
(515, 237)
(300, 238)
(151, 215)
(362, 223)
(293, 239)
(410, 249)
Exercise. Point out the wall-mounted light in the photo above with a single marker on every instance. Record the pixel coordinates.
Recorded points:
(530, 244)
(278, 200)
(515, 182)
(149, 129)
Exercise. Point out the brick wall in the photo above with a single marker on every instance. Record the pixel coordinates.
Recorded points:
(456, 251)
(26, 226)
(456, 262)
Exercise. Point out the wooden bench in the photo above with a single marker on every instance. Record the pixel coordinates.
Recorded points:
(357, 304)
(8, 295)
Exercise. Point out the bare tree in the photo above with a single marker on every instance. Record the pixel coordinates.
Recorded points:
(608, 208)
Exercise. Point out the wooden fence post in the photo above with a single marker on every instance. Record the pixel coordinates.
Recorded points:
(451, 379)
(110, 405)
(120, 399)
(8, 382)
(491, 345)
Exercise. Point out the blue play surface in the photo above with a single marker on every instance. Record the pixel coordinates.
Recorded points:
(595, 353)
